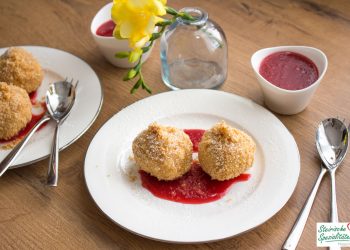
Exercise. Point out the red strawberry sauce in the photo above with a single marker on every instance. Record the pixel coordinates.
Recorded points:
(195, 187)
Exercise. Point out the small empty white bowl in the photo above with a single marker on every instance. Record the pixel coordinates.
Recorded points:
(109, 46)
(283, 101)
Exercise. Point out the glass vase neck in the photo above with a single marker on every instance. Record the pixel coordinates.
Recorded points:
(199, 15)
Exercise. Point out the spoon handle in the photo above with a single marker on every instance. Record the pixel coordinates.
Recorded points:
(11, 157)
(52, 175)
(298, 227)
(334, 208)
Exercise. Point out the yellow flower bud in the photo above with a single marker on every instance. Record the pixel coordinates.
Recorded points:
(135, 55)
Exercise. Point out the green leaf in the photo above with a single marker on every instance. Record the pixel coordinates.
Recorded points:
(155, 36)
(145, 87)
(171, 11)
(138, 65)
(122, 54)
(164, 23)
(136, 86)
(187, 16)
(146, 49)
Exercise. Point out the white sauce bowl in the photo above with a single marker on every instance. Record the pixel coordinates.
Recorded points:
(283, 101)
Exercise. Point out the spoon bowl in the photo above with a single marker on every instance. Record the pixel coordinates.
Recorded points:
(60, 99)
(332, 142)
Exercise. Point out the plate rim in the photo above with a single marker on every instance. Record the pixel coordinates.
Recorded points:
(196, 241)
(90, 123)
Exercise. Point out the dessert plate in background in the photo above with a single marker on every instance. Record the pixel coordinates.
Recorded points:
(58, 65)
(114, 184)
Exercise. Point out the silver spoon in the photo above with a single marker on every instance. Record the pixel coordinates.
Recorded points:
(51, 99)
(332, 145)
(61, 99)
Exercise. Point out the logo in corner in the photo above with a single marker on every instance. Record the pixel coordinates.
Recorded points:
(333, 234)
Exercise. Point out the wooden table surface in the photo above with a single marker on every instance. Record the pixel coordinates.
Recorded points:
(34, 216)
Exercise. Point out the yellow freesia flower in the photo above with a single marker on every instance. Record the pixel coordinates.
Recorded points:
(136, 19)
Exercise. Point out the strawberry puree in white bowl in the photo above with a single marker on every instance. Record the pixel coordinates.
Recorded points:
(286, 100)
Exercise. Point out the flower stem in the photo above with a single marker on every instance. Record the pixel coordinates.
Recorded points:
(175, 13)
(136, 70)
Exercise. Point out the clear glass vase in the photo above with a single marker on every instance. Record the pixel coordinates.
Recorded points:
(194, 53)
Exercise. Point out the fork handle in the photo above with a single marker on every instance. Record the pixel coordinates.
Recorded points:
(298, 227)
(11, 157)
(52, 175)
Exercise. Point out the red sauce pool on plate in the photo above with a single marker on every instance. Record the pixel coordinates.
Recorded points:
(106, 29)
(289, 70)
(195, 136)
(195, 187)
(33, 97)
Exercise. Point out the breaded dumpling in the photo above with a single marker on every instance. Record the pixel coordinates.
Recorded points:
(20, 68)
(15, 110)
(225, 152)
(164, 152)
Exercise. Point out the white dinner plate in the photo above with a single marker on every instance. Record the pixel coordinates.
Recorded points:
(274, 174)
(58, 65)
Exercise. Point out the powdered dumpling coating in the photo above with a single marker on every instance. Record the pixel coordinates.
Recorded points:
(164, 152)
(15, 110)
(225, 152)
(20, 68)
